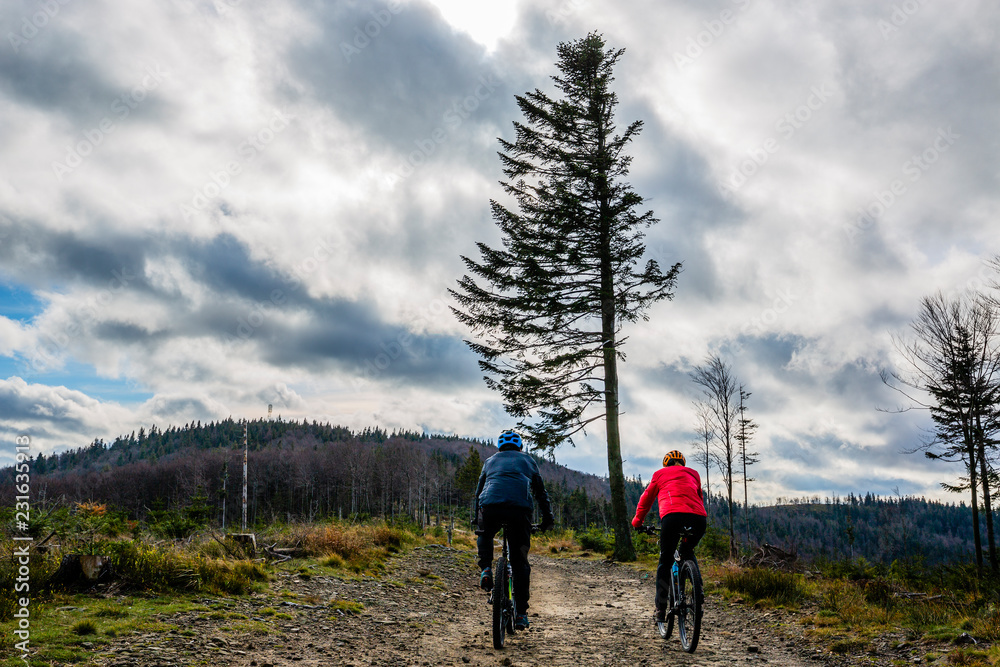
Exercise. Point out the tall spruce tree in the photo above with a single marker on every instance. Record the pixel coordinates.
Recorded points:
(553, 298)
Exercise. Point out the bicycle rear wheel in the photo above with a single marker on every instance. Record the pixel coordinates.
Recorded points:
(501, 600)
(689, 611)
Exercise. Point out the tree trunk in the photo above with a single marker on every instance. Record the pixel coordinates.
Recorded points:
(987, 503)
(976, 538)
(732, 529)
(620, 520)
(624, 551)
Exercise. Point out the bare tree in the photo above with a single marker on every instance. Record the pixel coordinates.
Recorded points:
(706, 433)
(747, 427)
(955, 359)
(718, 385)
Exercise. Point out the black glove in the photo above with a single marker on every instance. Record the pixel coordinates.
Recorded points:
(546, 524)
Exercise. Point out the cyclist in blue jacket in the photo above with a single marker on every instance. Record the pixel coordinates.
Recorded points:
(503, 499)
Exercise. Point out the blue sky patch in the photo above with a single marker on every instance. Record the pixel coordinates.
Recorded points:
(18, 303)
(79, 377)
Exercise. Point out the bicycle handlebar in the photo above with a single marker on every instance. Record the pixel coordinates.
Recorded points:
(649, 530)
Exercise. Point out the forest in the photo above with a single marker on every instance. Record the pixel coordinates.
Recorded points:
(296, 471)
(191, 477)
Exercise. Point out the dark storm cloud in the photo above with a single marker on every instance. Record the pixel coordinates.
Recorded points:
(350, 336)
(408, 75)
(48, 259)
(56, 72)
(247, 301)
(223, 264)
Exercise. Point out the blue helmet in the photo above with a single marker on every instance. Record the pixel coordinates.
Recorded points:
(509, 438)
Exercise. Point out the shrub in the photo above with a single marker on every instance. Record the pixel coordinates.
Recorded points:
(969, 657)
(154, 568)
(348, 542)
(42, 567)
(236, 578)
(594, 539)
(336, 561)
(86, 627)
(763, 584)
(986, 624)
(388, 537)
(714, 544)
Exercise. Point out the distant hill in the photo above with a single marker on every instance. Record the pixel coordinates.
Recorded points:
(308, 470)
(296, 470)
(880, 530)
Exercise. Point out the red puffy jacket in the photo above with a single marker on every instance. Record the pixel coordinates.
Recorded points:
(676, 489)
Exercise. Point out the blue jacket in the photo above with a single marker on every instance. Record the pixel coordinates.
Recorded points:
(509, 478)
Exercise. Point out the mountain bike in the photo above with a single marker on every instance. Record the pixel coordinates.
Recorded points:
(686, 597)
(502, 595)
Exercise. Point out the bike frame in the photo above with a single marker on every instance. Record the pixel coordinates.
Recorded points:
(680, 606)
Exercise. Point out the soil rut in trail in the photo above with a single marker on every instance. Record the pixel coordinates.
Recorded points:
(427, 610)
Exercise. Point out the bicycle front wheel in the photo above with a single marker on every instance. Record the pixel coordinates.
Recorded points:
(501, 601)
(689, 610)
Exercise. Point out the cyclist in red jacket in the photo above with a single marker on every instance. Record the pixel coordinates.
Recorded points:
(677, 490)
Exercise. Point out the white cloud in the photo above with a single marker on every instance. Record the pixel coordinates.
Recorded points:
(324, 227)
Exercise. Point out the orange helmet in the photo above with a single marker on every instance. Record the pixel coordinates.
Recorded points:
(674, 457)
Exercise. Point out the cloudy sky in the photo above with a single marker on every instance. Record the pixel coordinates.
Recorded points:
(209, 207)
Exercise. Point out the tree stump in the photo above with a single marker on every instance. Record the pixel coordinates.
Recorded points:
(248, 541)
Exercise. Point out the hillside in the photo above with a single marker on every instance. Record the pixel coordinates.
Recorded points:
(296, 470)
(880, 530)
(309, 471)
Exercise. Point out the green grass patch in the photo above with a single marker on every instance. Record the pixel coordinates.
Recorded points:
(86, 627)
(851, 645)
(763, 585)
(970, 658)
(352, 607)
(61, 624)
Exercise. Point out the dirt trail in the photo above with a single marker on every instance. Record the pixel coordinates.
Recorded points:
(428, 611)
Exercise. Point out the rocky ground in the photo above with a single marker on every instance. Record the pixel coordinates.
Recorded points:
(427, 610)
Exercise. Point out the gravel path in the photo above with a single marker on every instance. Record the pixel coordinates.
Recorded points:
(427, 610)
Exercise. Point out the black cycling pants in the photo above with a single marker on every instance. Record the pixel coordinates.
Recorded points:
(671, 526)
(516, 523)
